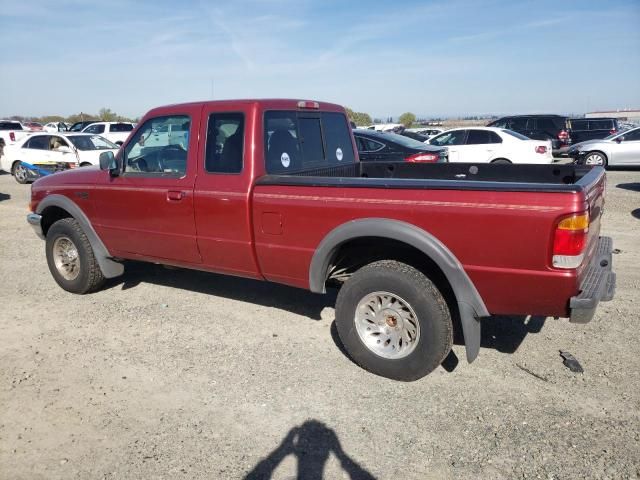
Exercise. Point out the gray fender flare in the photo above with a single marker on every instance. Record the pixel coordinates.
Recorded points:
(470, 304)
(109, 267)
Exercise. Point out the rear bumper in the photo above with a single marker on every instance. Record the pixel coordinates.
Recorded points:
(598, 284)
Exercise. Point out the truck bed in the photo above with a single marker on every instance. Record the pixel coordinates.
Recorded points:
(444, 176)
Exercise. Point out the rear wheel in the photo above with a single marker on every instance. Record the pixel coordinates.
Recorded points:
(595, 158)
(70, 258)
(20, 173)
(393, 321)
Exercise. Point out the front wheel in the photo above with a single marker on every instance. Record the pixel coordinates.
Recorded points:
(20, 173)
(70, 258)
(393, 321)
(595, 158)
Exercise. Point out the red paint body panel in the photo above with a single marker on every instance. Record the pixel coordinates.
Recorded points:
(225, 223)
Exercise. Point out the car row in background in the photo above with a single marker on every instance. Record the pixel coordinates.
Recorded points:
(619, 149)
(377, 146)
(52, 152)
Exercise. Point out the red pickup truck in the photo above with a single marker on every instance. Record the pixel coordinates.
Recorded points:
(273, 190)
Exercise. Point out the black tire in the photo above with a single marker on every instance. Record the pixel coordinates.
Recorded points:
(421, 295)
(501, 161)
(596, 155)
(19, 172)
(89, 277)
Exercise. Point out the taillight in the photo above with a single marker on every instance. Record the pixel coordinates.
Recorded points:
(12, 136)
(423, 158)
(563, 135)
(570, 240)
(612, 131)
(541, 149)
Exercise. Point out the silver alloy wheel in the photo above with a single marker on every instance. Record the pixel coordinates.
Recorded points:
(594, 159)
(65, 258)
(20, 173)
(387, 325)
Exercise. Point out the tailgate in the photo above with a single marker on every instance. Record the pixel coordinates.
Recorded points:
(594, 191)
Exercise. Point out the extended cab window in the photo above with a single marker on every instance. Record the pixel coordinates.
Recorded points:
(225, 142)
(296, 141)
(159, 147)
(120, 127)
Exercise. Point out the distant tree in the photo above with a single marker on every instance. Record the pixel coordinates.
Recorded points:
(106, 115)
(359, 118)
(81, 117)
(407, 119)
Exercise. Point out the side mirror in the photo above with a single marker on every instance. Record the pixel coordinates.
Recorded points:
(619, 139)
(108, 161)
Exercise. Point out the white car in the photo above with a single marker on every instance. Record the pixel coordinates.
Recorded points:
(46, 151)
(116, 132)
(55, 127)
(492, 145)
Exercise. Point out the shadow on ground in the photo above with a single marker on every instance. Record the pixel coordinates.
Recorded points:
(294, 300)
(4, 196)
(311, 443)
(636, 213)
(634, 186)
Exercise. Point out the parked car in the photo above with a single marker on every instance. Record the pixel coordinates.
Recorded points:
(620, 149)
(33, 126)
(48, 152)
(415, 136)
(55, 127)
(116, 132)
(376, 146)
(492, 145)
(79, 126)
(11, 131)
(427, 132)
(583, 129)
(273, 190)
(538, 127)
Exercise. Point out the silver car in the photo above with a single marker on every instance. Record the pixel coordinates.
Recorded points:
(619, 149)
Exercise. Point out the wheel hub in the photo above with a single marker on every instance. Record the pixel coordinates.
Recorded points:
(387, 325)
(65, 258)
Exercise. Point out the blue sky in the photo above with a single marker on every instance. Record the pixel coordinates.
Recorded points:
(382, 57)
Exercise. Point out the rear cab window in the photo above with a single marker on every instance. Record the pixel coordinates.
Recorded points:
(302, 140)
(10, 126)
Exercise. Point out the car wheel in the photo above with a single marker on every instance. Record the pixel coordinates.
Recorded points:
(501, 161)
(70, 258)
(20, 173)
(393, 321)
(595, 159)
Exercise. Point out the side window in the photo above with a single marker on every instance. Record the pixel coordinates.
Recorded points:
(372, 145)
(478, 137)
(494, 138)
(600, 124)
(360, 144)
(545, 124)
(56, 142)
(225, 143)
(455, 137)
(120, 127)
(632, 136)
(518, 124)
(41, 142)
(502, 123)
(153, 151)
(95, 129)
(579, 125)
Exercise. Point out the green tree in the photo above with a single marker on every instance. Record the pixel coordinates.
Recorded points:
(361, 119)
(407, 119)
(106, 115)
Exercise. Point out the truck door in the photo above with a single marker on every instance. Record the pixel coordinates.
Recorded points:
(148, 209)
(223, 190)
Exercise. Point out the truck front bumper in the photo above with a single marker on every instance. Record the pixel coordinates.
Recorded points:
(34, 220)
(598, 284)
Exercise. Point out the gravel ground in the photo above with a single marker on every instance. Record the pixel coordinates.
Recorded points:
(179, 374)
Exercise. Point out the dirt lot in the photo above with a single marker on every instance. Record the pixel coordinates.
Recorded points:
(178, 374)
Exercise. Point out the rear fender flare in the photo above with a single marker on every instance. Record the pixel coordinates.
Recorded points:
(109, 267)
(470, 304)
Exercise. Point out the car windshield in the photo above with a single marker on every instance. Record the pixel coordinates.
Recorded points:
(519, 136)
(92, 142)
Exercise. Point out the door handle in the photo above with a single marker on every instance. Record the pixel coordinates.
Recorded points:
(173, 195)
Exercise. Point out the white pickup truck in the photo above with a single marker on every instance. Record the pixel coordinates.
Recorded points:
(115, 132)
(11, 131)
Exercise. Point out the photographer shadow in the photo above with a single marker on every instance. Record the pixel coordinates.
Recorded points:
(311, 443)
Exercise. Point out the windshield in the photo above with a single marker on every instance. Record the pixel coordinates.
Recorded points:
(515, 134)
(92, 142)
